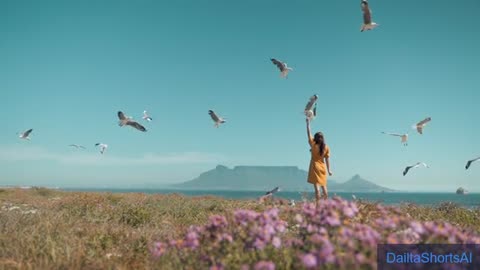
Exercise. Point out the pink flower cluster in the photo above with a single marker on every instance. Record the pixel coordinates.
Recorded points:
(257, 230)
(337, 233)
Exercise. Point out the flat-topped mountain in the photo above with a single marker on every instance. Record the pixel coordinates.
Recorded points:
(358, 184)
(289, 178)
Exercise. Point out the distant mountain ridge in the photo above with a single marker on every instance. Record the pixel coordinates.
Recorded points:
(289, 178)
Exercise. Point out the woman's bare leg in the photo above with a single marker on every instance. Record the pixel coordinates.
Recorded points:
(324, 191)
(317, 194)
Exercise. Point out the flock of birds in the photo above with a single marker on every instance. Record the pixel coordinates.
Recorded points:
(310, 110)
(404, 139)
(123, 121)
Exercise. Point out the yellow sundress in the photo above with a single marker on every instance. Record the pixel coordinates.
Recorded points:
(317, 172)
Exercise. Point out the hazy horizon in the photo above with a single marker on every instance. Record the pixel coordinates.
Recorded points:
(68, 66)
(173, 185)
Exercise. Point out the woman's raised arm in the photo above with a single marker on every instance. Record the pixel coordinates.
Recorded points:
(309, 134)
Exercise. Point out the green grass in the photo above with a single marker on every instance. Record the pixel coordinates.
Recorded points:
(49, 229)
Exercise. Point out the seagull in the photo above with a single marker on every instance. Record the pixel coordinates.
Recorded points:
(416, 165)
(368, 24)
(77, 146)
(309, 112)
(275, 190)
(146, 116)
(292, 203)
(404, 137)
(129, 121)
(420, 125)
(284, 69)
(103, 147)
(24, 135)
(218, 120)
(470, 162)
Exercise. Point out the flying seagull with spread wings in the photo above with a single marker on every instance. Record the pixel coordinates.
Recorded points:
(218, 120)
(416, 165)
(470, 162)
(275, 190)
(403, 137)
(146, 116)
(24, 135)
(368, 24)
(77, 146)
(420, 125)
(129, 122)
(102, 146)
(309, 112)
(284, 69)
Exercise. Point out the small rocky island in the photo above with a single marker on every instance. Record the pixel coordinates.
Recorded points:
(461, 191)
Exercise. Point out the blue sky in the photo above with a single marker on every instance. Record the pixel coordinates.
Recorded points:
(67, 67)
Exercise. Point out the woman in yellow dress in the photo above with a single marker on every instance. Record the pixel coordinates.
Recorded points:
(319, 163)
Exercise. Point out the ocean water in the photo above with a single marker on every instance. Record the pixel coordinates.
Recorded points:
(471, 200)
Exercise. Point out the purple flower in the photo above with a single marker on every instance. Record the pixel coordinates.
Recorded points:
(264, 265)
(244, 267)
(351, 210)
(326, 253)
(293, 242)
(385, 223)
(272, 213)
(259, 243)
(280, 226)
(269, 230)
(309, 260)
(159, 249)
(333, 220)
(191, 240)
(276, 242)
(226, 237)
(417, 227)
(298, 218)
(360, 258)
(317, 238)
(217, 221)
(216, 267)
(311, 228)
(244, 216)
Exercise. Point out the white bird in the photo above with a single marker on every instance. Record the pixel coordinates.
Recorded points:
(403, 137)
(77, 146)
(275, 190)
(102, 146)
(292, 203)
(129, 122)
(24, 135)
(218, 120)
(284, 69)
(309, 112)
(420, 125)
(368, 24)
(470, 162)
(146, 116)
(416, 165)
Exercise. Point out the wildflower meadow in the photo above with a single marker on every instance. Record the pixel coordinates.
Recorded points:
(49, 229)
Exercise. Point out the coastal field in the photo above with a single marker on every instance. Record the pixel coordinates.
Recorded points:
(51, 229)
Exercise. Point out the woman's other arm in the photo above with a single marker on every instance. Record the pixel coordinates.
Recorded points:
(327, 162)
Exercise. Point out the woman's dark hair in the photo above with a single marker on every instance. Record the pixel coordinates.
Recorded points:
(320, 141)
